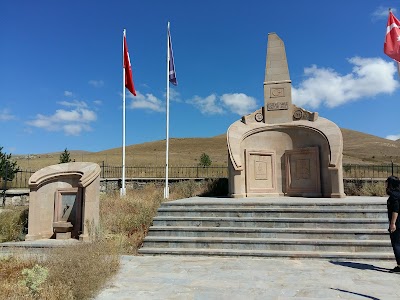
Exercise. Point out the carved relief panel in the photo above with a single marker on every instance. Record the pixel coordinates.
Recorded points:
(260, 171)
(303, 172)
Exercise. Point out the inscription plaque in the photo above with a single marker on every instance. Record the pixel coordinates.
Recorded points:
(278, 106)
(260, 168)
(302, 169)
(277, 92)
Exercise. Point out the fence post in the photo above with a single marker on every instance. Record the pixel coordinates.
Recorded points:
(5, 184)
(102, 169)
(392, 167)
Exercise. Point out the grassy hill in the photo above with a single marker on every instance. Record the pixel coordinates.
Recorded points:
(359, 148)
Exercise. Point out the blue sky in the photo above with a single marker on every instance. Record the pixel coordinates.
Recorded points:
(61, 68)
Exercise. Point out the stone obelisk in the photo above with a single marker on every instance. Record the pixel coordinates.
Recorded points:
(277, 83)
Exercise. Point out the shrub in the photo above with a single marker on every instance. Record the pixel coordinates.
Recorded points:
(8, 168)
(13, 223)
(361, 188)
(65, 157)
(205, 160)
(34, 278)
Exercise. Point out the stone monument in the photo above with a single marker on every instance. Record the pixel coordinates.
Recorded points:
(64, 201)
(282, 149)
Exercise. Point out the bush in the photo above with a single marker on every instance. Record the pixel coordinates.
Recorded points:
(13, 224)
(65, 157)
(8, 168)
(362, 188)
(205, 160)
(34, 278)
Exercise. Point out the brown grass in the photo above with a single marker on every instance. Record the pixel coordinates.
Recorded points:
(361, 188)
(13, 220)
(358, 148)
(126, 220)
(74, 272)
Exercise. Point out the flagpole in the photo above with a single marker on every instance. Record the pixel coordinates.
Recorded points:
(166, 189)
(123, 190)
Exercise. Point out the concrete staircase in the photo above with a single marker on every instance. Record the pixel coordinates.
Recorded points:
(353, 228)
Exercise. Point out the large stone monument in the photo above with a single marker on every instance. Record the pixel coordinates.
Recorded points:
(64, 201)
(282, 149)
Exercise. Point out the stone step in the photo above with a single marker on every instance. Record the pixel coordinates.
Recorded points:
(280, 202)
(286, 233)
(269, 244)
(360, 223)
(354, 256)
(286, 212)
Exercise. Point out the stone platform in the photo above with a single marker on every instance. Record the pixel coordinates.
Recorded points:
(349, 228)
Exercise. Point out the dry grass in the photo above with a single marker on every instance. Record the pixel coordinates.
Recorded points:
(361, 188)
(73, 272)
(13, 221)
(358, 148)
(126, 220)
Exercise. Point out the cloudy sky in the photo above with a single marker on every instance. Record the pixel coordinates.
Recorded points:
(61, 68)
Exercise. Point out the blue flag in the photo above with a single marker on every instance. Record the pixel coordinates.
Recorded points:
(172, 73)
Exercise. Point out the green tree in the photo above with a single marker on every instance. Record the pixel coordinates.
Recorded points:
(8, 168)
(205, 160)
(65, 157)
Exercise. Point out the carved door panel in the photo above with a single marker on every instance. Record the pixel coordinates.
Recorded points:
(260, 172)
(303, 172)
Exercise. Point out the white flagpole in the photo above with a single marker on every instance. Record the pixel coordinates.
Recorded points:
(123, 190)
(166, 189)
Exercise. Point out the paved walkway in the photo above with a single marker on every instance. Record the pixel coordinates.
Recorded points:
(188, 277)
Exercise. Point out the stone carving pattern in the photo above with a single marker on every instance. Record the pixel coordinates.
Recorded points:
(277, 92)
(260, 168)
(277, 106)
(302, 169)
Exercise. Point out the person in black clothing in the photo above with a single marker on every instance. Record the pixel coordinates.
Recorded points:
(393, 208)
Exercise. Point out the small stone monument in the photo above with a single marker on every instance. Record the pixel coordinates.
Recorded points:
(64, 201)
(282, 149)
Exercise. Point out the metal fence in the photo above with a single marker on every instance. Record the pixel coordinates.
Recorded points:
(350, 171)
(159, 172)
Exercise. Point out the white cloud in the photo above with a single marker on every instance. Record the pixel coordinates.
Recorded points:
(75, 103)
(381, 13)
(5, 115)
(148, 102)
(98, 102)
(239, 103)
(393, 137)
(207, 105)
(96, 83)
(68, 94)
(71, 122)
(369, 77)
(174, 95)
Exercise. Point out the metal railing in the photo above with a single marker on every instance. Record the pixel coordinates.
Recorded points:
(355, 171)
(350, 171)
(159, 172)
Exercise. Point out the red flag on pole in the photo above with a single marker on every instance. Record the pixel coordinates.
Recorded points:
(392, 40)
(128, 70)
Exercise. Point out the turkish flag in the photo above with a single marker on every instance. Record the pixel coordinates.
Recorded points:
(128, 70)
(392, 41)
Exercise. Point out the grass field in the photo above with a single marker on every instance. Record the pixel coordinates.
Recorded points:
(359, 148)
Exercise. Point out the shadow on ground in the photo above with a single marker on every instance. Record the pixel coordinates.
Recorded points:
(358, 294)
(359, 266)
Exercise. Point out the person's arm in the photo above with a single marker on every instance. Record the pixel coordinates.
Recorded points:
(392, 225)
